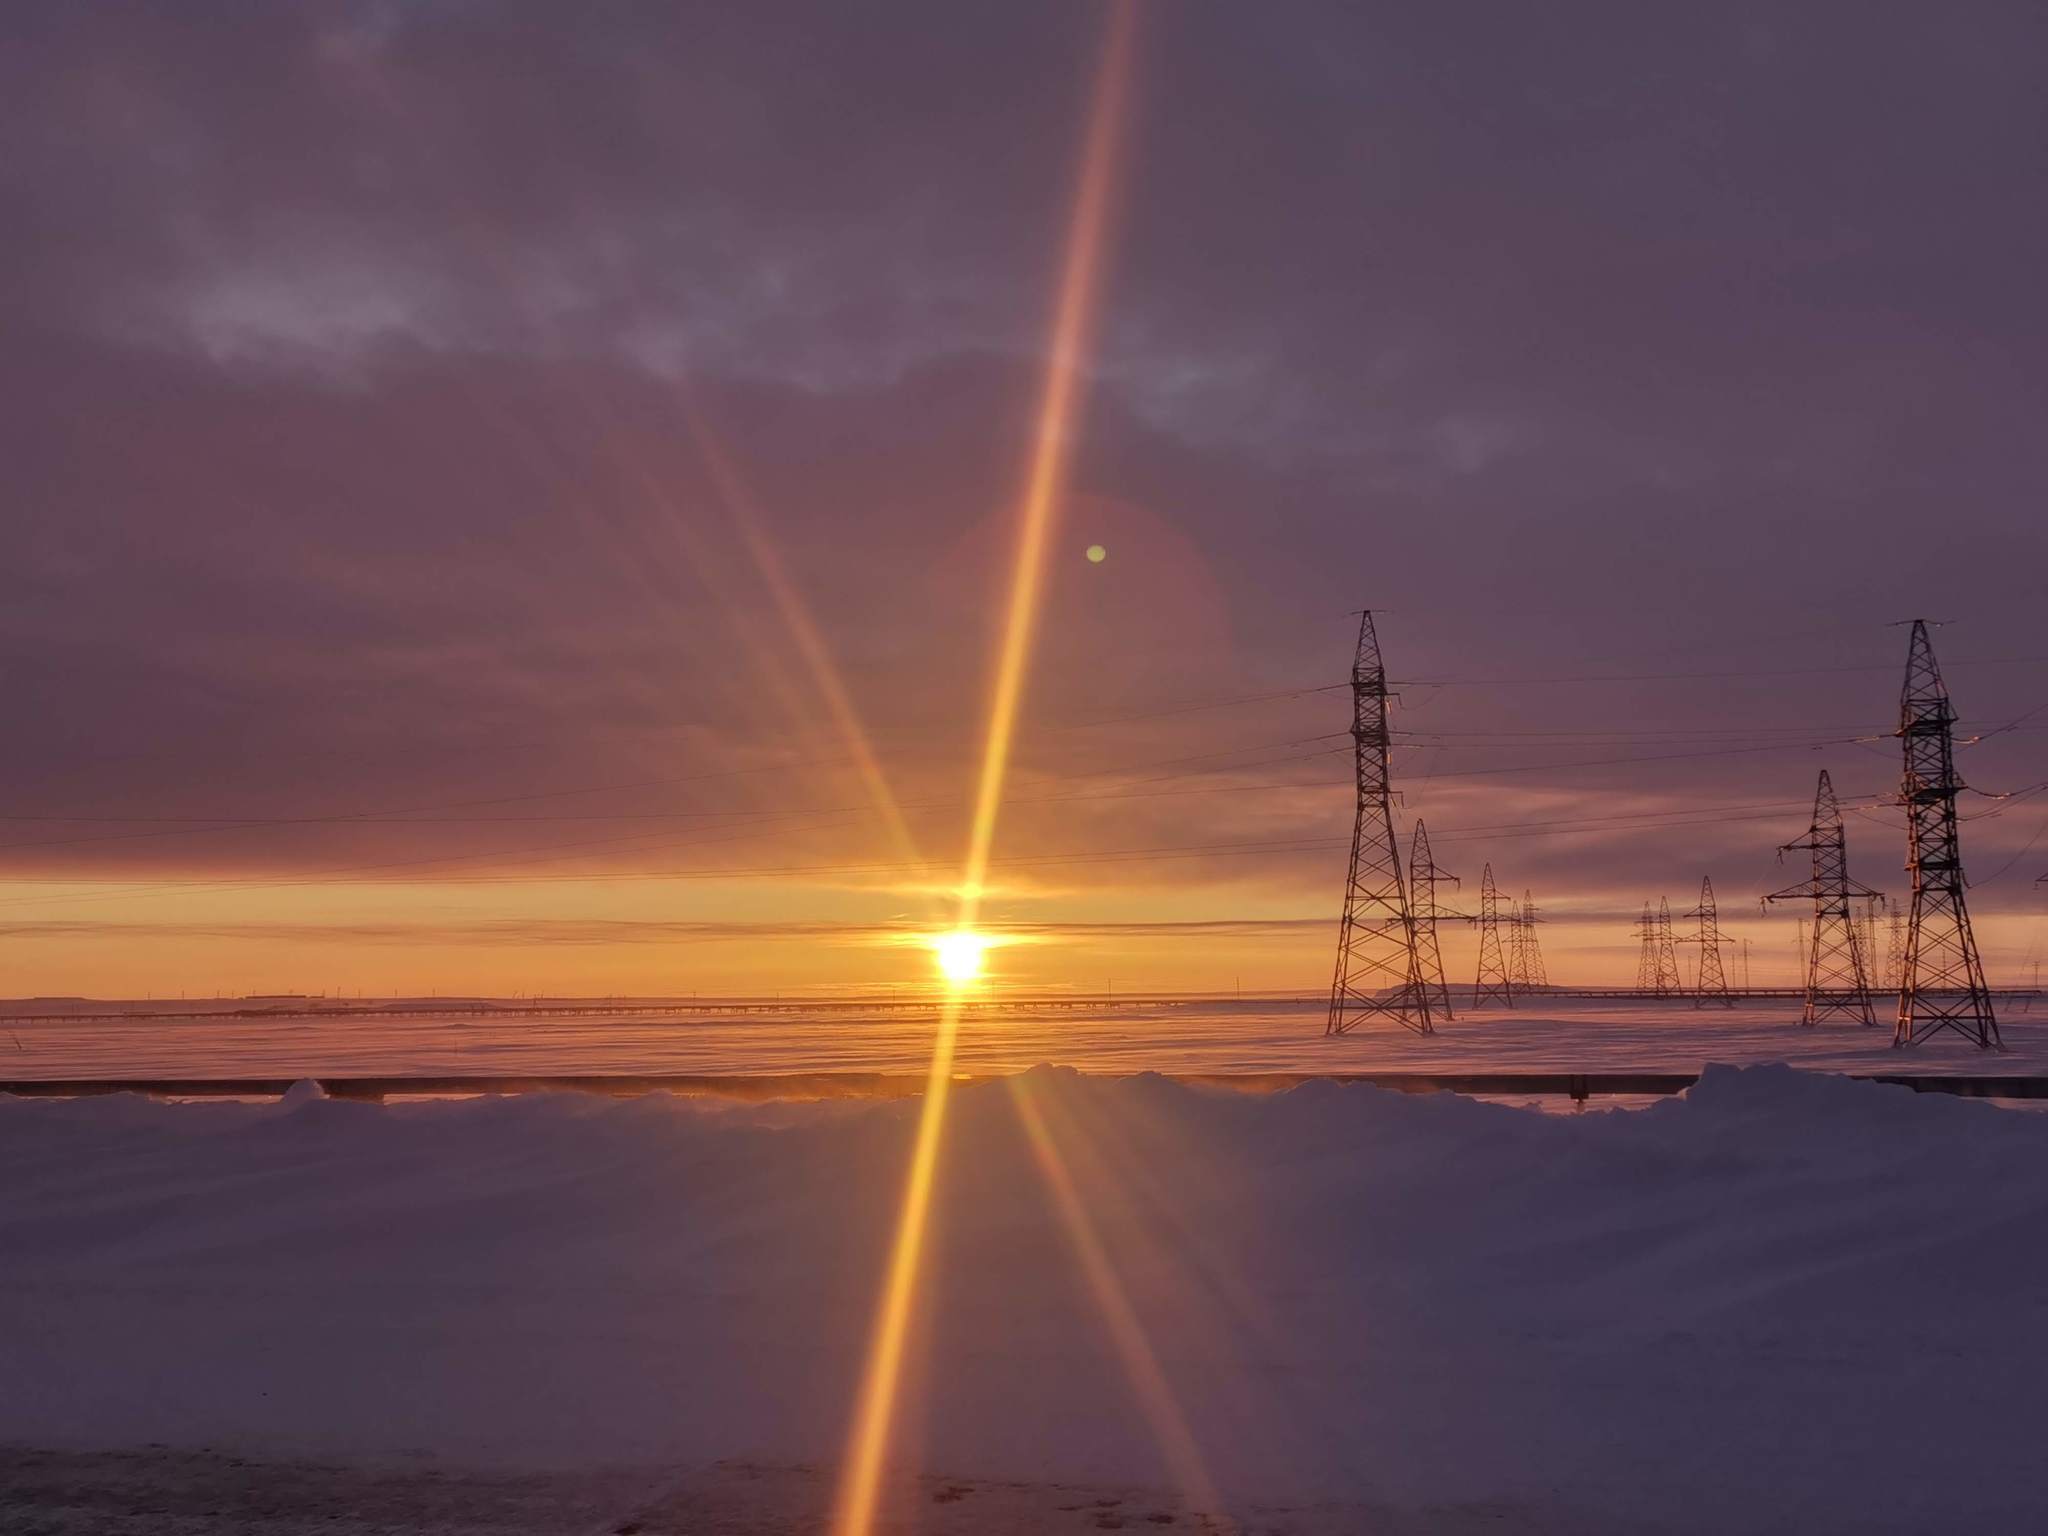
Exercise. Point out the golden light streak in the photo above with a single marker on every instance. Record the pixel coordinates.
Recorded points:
(362, 73)
(1073, 324)
(1127, 1333)
(1139, 1151)
(517, 437)
(803, 629)
(876, 1408)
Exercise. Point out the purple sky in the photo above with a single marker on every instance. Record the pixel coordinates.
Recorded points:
(353, 349)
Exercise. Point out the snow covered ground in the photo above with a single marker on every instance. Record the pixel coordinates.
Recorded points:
(1785, 1302)
(1252, 1036)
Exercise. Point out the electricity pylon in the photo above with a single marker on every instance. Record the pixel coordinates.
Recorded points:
(1895, 951)
(1423, 875)
(1657, 965)
(1646, 957)
(1530, 966)
(1713, 982)
(1378, 974)
(1668, 979)
(1837, 980)
(1943, 986)
(1493, 982)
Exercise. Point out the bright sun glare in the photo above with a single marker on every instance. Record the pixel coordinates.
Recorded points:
(959, 954)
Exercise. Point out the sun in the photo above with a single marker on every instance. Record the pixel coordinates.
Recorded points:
(959, 955)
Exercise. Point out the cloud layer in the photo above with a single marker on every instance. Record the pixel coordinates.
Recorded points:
(399, 397)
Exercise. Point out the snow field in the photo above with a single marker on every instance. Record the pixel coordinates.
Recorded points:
(1782, 1302)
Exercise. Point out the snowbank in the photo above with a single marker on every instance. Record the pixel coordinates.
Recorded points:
(1783, 1302)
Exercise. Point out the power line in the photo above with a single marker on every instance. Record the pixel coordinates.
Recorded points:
(1650, 821)
(1668, 677)
(1114, 855)
(197, 826)
(1660, 757)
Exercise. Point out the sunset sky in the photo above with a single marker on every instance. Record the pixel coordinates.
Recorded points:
(523, 497)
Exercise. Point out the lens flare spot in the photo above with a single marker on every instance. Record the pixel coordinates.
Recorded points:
(959, 955)
(1097, 554)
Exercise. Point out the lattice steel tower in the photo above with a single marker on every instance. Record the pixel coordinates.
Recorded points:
(1529, 972)
(1713, 982)
(1423, 876)
(1668, 978)
(1378, 971)
(1837, 974)
(1943, 986)
(1895, 951)
(1492, 982)
(1657, 965)
(1646, 954)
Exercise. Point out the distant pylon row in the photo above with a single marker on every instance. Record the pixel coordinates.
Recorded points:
(1931, 960)
(1526, 958)
(1507, 965)
(1657, 961)
(1657, 971)
(1389, 961)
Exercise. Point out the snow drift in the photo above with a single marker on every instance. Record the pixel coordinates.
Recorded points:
(1783, 1302)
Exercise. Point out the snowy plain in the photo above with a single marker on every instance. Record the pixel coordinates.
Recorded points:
(1783, 1302)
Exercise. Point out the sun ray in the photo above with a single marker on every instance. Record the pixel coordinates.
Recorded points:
(803, 630)
(1072, 323)
(384, 91)
(1127, 1333)
(1073, 326)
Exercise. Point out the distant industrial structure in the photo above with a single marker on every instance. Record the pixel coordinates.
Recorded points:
(1942, 986)
(1526, 960)
(1379, 970)
(1712, 985)
(1424, 874)
(1390, 960)
(1657, 972)
(1837, 979)
(1492, 984)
